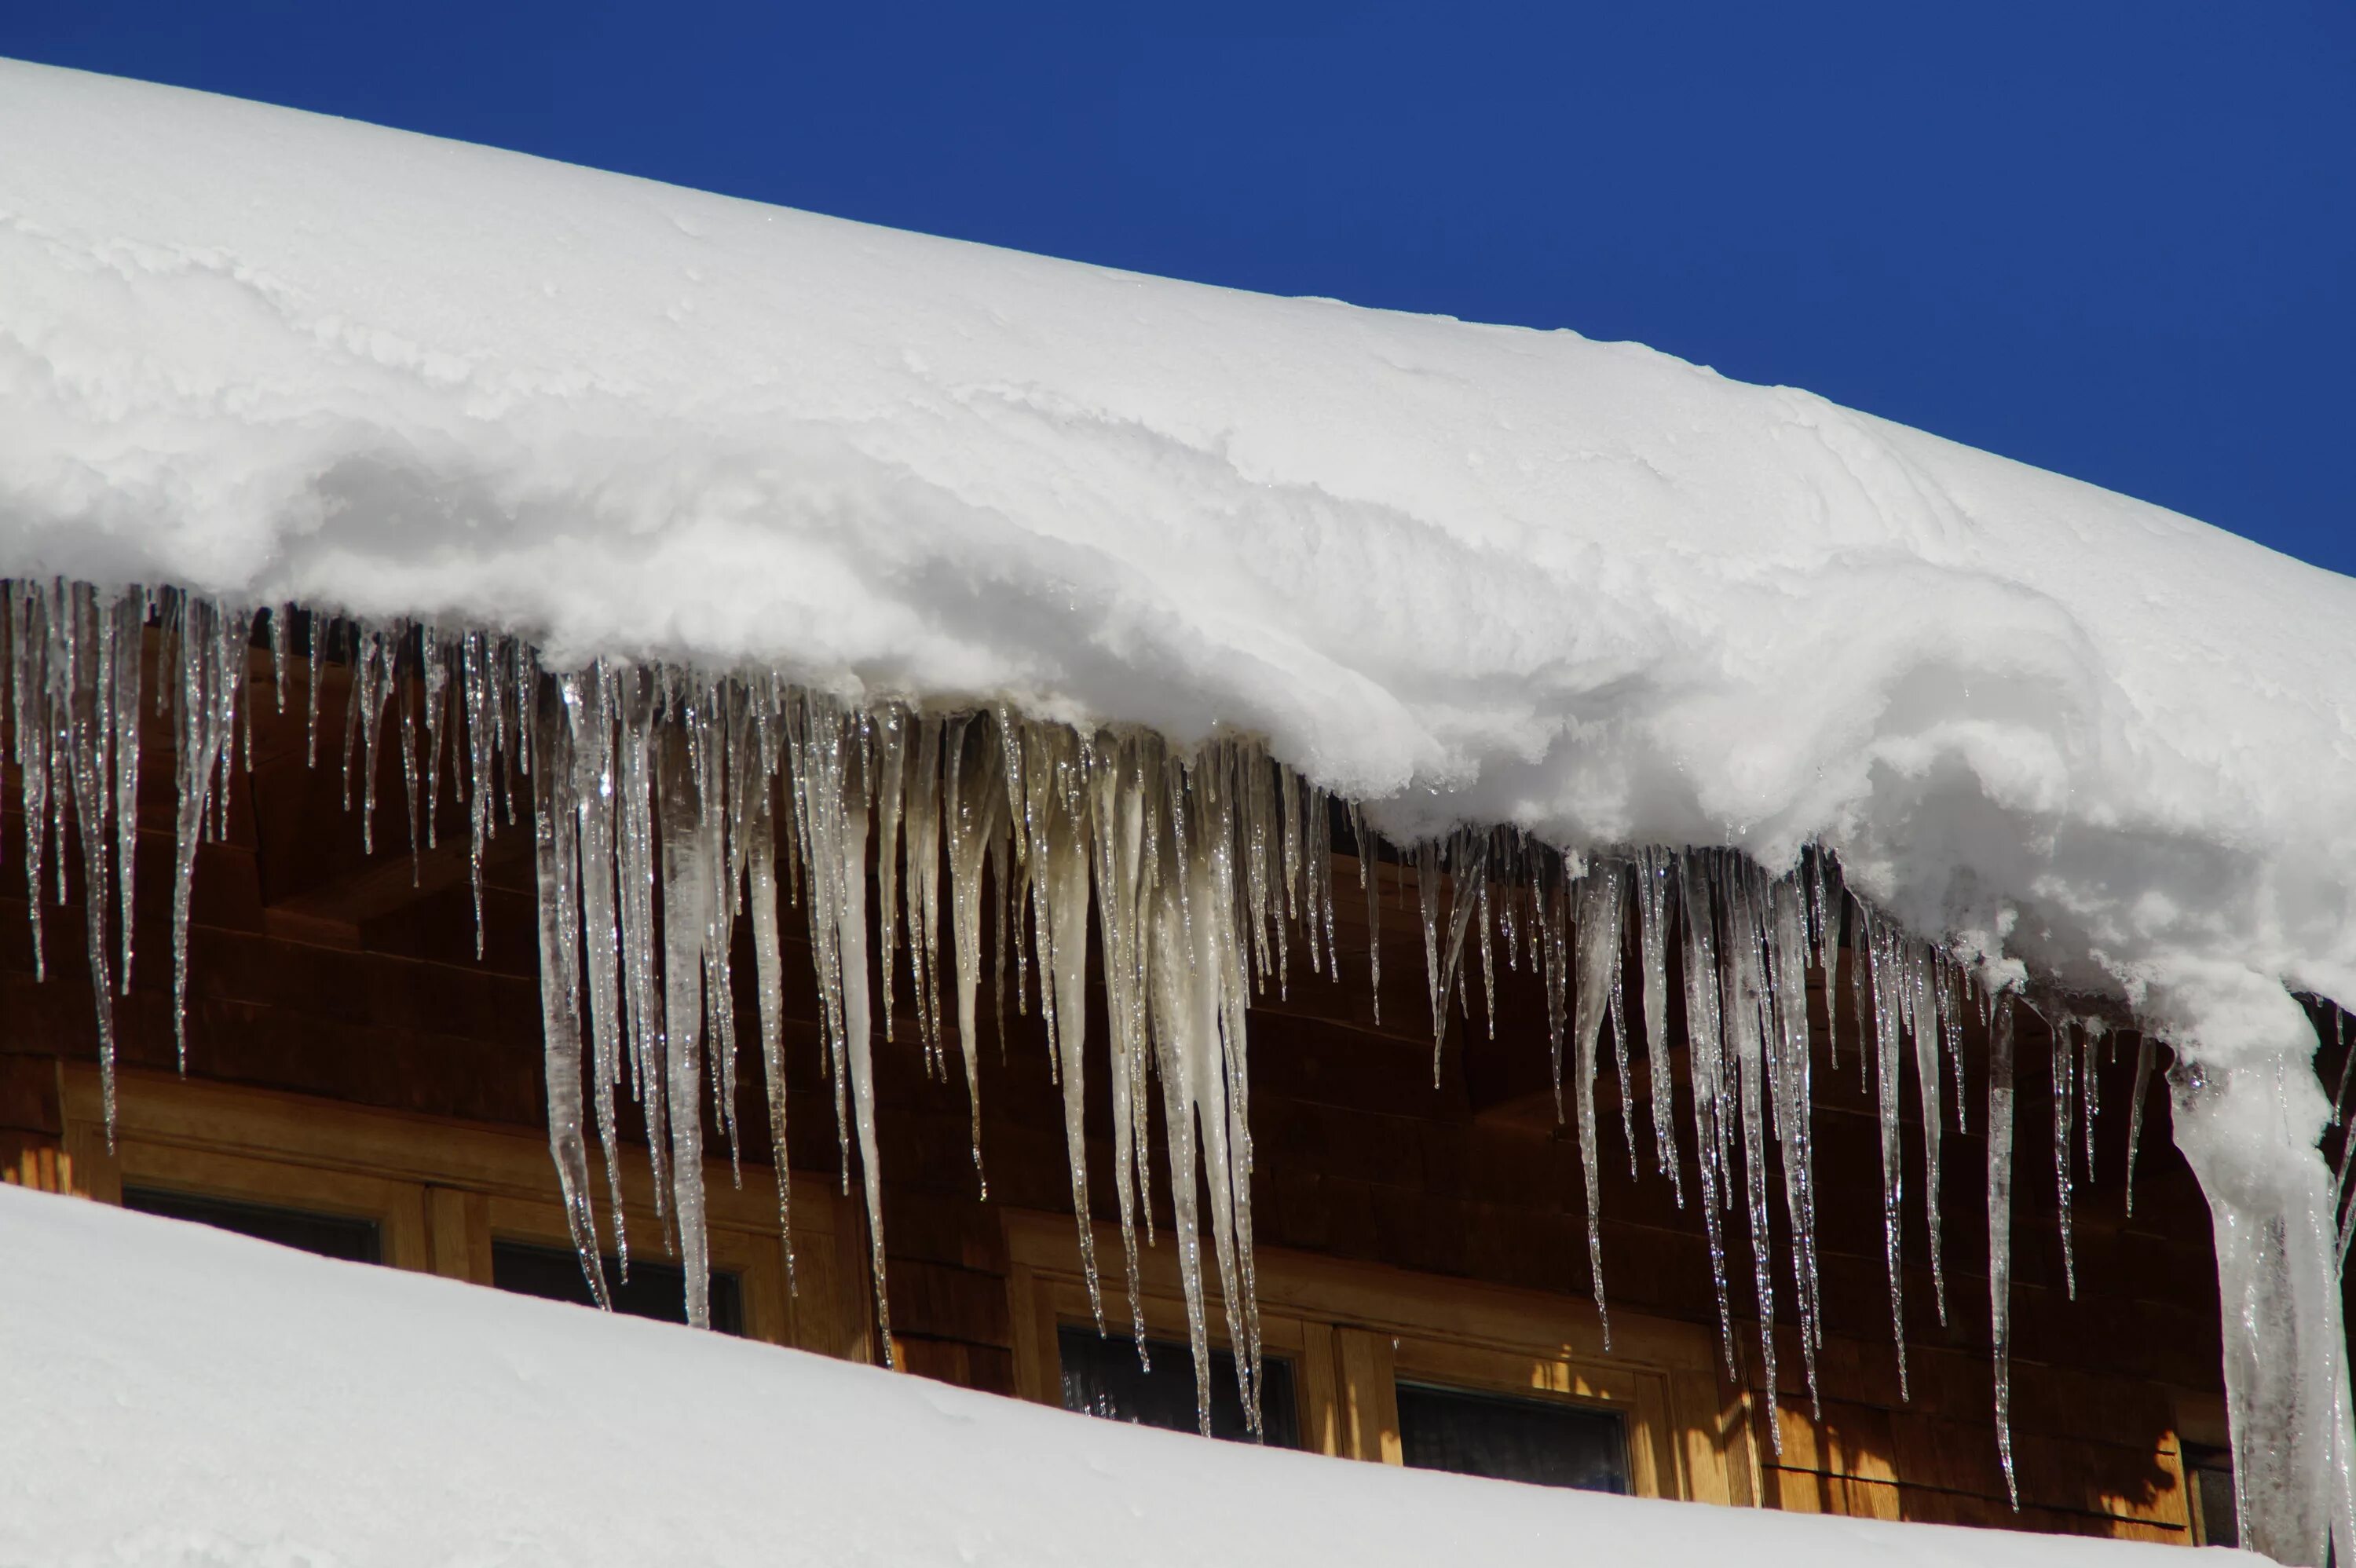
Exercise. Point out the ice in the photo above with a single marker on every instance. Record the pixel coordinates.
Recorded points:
(2144, 1046)
(557, 862)
(1654, 869)
(1999, 1216)
(2286, 1386)
(1878, 1033)
(686, 897)
(1714, 1111)
(2065, 1128)
(1601, 896)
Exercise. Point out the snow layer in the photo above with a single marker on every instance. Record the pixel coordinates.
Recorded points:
(1462, 572)
(180, 1396)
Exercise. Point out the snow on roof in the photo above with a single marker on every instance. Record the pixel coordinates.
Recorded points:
(1456, 574)
(182, 1396)
(1461, 573)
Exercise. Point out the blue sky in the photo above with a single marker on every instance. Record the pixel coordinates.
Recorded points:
(2114, 240)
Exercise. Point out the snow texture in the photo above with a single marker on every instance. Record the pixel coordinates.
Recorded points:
(187, 1399)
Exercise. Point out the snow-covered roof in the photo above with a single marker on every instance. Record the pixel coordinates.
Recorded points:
(180, 1396)
(1456, 575)
(1461, 573)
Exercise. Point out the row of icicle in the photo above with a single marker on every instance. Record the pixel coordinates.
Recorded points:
(668, 805)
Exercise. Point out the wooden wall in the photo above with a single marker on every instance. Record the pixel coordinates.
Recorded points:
(319, 970)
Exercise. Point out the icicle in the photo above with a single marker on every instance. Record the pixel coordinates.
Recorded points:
(210, 640)
(1370, 883)
(1603, 899)
(433, 656)
(1706, 1069)
(1907, 959)
(1999, 1210)
(315, 658)
(1653, 870)
(27, 665)
(768, 969)
(2144, 1045)
(1427, 892)
(832, 775)
(589, 719)
(1118, 830)
(891, 793)
(2064, 1127)
(130, 629)
(1887, 1074)
(556, 855)
(924, 829)
(687, 894)
(636, 757)
(2090, 1097)
(1789, 1076)
(975, 806)
(79, 666)
(1741, 1008)
(1059, 862)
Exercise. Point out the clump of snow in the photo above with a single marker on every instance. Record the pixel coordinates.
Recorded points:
(1461, 573)
(182, 1397)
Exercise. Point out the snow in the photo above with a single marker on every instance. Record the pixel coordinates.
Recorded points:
(1460, 572)
(823, 489)
(183, 1397)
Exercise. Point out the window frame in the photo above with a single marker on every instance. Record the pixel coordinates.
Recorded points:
(1356, 1329)
(440, 1190)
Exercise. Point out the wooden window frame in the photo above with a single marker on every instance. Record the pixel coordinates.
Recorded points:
(440, 1191)
(1355, 1330)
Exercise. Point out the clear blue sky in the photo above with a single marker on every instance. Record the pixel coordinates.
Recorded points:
(2113, 238)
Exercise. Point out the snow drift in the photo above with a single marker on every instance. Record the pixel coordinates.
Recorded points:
(206, 1399)
(750, 482)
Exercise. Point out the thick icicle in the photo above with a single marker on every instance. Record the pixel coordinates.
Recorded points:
(687, 894)
(556, 855)
(1059, 877)
(1706, 1073)
(1603, 898)
(2287, 1385)
(2000, 1213)
(1887, 1074)
(1654, 869)
(1742, 1008)
(975, 806)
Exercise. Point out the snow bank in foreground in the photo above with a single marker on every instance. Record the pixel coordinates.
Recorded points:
(181, 1396)
(1463, 572)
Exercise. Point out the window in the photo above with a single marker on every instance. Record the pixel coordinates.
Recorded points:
(460, 1199)
(1402, 1369)
(2209, 1485)
(1549, 1443)
(1102, 1375)
(654, 1289)
(343, 1236)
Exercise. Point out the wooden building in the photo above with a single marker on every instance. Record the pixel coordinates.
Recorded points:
(359, 1081)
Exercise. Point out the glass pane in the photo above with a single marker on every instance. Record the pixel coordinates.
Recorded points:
(657, 1290)
(329, 1236)
(2210, 1471)
(1549, 1443)
(1102, 1377)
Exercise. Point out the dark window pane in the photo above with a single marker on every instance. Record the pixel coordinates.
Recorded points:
(329, 1236)
(657, 1290)
(1546, 1442)
(1102, 1377)
(2210, 1471)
